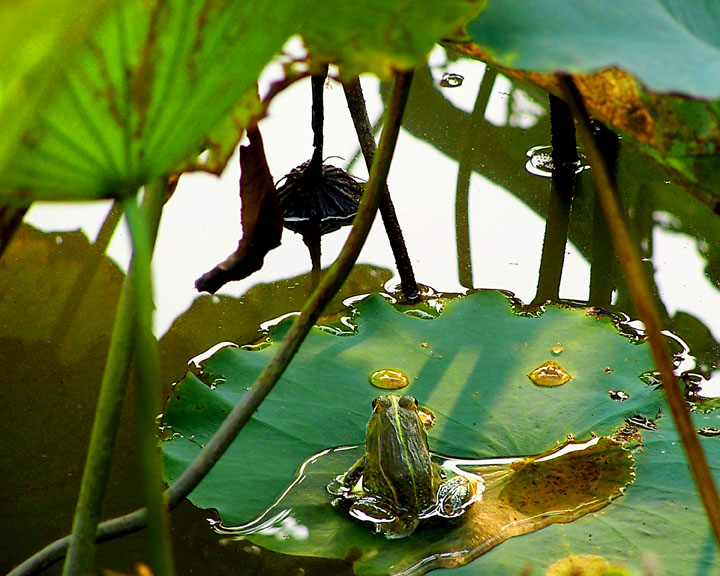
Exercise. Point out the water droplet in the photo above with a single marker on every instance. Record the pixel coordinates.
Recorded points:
(557, 349)
(549, 374)
(389, 379)
(651, 378)
(451, 80)
(618, 395)
(709, 431)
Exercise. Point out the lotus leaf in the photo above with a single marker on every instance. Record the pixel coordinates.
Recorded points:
(470, 366)
(670, 45)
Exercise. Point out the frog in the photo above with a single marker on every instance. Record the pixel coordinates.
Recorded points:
(396, 483)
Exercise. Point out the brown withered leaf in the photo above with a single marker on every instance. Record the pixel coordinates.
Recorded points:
(262, 219)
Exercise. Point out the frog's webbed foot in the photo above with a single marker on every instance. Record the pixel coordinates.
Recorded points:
(455, 494)
(384, 520)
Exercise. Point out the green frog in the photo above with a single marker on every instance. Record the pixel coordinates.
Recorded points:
(396, 484)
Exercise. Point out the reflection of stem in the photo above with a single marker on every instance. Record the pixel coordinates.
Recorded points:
(10, 219)
(643, 300)
(462, 190)
(241, 413)
(601, 257)
(102, 439)
(313, 241)
(564, 157)
(83, 281)
(358, 111)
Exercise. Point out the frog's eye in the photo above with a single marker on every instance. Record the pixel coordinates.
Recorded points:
(408, 402)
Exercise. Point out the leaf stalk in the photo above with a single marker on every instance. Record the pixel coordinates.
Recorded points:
(643, 300)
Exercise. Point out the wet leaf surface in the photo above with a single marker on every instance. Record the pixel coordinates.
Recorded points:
(520, 497)
(469, 365)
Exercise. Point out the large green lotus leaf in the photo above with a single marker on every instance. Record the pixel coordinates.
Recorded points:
(157, 81)
(37, 38)
(670, 45)
(469, 365)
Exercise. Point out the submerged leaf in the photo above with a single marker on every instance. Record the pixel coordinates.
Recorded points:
(261, 219)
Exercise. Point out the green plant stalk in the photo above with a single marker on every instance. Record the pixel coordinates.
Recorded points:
(81, 550)
(643, 300)
(331, 282)
(81, 543)
(149, 393)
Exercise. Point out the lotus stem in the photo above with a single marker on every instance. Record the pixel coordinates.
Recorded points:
(81, 543)
(149, 391)
(312, 309)
(363, 128)
(642, 298)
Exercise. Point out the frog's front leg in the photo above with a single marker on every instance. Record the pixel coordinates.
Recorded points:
(384, 518)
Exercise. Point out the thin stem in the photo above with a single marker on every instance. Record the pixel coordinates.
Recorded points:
(149, 392)
(81, 544)
(238, 417)
(363, 128)
(557, 224)
(643, 300)
(462, 187)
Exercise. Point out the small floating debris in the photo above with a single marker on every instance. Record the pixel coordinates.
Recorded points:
(618, 395)
(451, 80)
(609, 370)
(549, 374)
(389, 379)
(557, 349)
(541, 163)
(709, 432)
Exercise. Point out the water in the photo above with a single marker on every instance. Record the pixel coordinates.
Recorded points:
(451, 80)
(389, 379)
(472, 217)
(549, 374)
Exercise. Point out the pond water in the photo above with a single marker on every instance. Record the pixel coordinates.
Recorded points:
(472, 213)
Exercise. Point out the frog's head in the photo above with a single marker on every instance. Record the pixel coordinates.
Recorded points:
(395, 421)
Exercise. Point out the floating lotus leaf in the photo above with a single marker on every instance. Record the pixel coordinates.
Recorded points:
(470, 366)
(520, 497)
